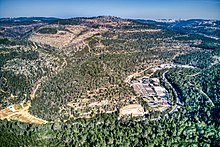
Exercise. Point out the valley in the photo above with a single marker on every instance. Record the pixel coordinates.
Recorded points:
(73, 80)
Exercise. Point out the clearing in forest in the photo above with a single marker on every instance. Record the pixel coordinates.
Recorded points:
(132, 109)
(20, 112)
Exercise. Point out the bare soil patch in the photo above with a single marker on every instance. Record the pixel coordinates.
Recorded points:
(132, 109)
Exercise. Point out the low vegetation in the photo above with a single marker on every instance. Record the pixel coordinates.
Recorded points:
(47, 31)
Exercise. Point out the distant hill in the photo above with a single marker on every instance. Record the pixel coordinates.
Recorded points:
(208, 28)
(20, 19)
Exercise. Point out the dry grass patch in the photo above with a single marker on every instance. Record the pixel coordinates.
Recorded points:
(61, 38)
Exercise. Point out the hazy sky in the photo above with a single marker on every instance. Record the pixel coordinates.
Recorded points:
(147, 9)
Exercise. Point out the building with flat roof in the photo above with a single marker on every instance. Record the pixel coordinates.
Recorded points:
(160, 91)
(151, 92)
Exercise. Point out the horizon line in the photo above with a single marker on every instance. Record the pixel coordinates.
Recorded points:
(57, 17)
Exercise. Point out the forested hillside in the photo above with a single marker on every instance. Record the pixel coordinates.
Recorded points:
(64, 82)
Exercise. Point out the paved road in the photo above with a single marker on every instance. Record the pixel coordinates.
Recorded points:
(175, 107)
